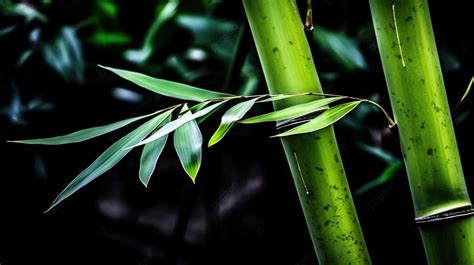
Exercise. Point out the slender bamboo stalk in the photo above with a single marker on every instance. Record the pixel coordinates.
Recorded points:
(314, 158)
(419, 102)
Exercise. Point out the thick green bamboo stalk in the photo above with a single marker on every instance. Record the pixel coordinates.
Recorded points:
(314, 158)
(418, 96)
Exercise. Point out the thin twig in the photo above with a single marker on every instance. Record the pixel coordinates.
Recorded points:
(398, 36)
(301, 173)
(308, 23)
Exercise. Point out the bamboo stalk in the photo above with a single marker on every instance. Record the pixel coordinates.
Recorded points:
(314, 158)
(419, 102)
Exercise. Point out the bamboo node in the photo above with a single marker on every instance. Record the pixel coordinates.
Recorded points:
(449, 214)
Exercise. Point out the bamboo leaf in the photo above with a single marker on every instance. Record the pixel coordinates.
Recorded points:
(84, 134)
(167, 88)
(387, 175)
(278, 97)
(466, 93)
(165, 12)
(200, 106)
(378, 152)
(110, 157)
(233, 115)
(293, 111)
(168, 128)
(150, 154)
(188, 145)
(324, 120)
(341, 48)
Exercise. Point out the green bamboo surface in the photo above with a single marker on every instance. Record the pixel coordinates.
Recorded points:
(419, 102)
(314, 158)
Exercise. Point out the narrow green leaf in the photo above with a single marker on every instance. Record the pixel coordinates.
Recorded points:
(110, 157)
(341, 48)
(324, 120)
(466, 93)
(167, 88)
(168, 128)
(378, 152)
(188, 145)
(85, 134)
(278, 97)
(150, 154)
(165, 12)
(387, 175)
(200, 106)
(233, 115)
(203, 118)
(293, 111)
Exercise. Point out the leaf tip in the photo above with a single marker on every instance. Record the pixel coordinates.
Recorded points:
(192, 174)
(51, 207)
(215, 138)
(145, 184)
(211, 143)
(143, 179)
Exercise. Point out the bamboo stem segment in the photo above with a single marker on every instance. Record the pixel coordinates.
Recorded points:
(314, 158)
(419, 102)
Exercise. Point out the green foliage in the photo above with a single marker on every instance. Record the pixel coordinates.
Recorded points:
(167, 88)
(63, 53)
(233, 115)
(394, 164)
(110, 157)
(172, 126)
(107, 38)
(187, 136)
(293, 111)
(206, 29)
(324, 120)
(188, 145)
(83, 135)
(150, 154)
(466, 93)
(166, 10)
(341, 47)
(23, 10)
(108, 7)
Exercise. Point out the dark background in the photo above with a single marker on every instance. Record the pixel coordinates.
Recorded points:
(244, 208)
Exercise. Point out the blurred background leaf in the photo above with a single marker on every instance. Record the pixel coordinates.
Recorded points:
(165, 12)
(341, 48)
(64, 54)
